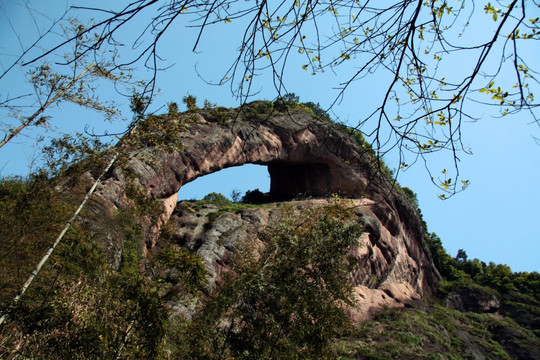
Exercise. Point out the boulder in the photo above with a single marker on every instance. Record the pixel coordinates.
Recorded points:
(473, 298)
(389, 272)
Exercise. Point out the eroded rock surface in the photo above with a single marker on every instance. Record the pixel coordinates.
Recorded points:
(391, 269)
(305, 156)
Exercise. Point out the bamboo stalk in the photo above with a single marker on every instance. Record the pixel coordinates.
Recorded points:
(57, 241)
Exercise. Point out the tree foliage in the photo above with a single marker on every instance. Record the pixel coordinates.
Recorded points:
(496, 276)
(51, 85)
(412, 45)
(286, 302)
(285, 299)
(217, 198)
(80, 306)
(32, 213)
(461, 269)
(254, 197)
(289, 299)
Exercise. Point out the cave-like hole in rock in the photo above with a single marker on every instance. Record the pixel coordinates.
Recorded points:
(279, 181)
(237, 179)
(291, 180)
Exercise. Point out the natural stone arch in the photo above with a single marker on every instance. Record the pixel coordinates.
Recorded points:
(304, 156)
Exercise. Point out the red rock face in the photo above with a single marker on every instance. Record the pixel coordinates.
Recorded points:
(305, 156)
(391, 269)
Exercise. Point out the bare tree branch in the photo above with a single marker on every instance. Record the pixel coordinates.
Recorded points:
(412, 41)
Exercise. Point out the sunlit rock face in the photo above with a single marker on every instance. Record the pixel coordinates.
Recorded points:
(306, 157)
(391, 269)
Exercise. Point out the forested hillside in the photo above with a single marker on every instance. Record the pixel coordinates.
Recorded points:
(287, 295)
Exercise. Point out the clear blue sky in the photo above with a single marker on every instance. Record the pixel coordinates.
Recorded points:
(495, 219)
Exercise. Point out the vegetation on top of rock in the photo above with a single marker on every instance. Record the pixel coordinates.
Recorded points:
(222, 204)
(516, 294)
(217, 198)
(254, 197)
(191, 102)
(496, 276)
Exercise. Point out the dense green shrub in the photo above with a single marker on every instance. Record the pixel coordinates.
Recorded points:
(434, 333)
(32, 213)
(318, 111)
(191, 102)
(496, 276)
(217, 198)
(177, 265)
(286, 102)
(172, 109)
(79, 306)
(254, 197)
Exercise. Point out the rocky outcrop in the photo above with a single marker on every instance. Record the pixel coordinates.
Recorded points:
(388, 272)
(305, 157)
(473, 298)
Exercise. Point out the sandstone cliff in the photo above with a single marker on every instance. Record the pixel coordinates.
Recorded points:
(305, 157)
(389, 268)
(145, 276)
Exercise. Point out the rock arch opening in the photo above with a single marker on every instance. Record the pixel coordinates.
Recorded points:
(237, 178)
(291, 180)
(281, 180)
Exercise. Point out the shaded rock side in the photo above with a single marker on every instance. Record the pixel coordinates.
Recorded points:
(305, 157)
(473, 298)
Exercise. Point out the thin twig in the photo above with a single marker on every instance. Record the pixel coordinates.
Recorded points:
(31, 119)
